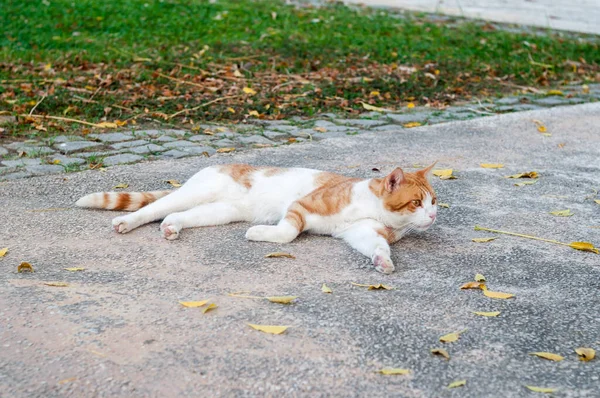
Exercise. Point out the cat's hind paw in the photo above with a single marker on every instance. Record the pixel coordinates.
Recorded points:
(169, 231)
(383, 264)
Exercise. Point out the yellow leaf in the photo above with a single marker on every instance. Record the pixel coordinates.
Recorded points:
(410, 125)
(548, 355)
(279, 254)
(373, 287)
(174, 183)
(458, 383)
(446, 205)
(542, 129)
(541, 389)
(209, 307)
(585, 89)
(441, 352)
(56, 161)
(25, 267)
(248, 90)
(3, 252)
(121, 123)
(193, 304)
(254, 113)
(269, 329)
(445, 174)
(585, 354)
(225, 150)
(282, 299)
(531, 174)
(562, 213)
(451, 337)
(554, 92)
(107, 125)
(584, 246)
(326, 289)
(410, 105)
(522, 184)
(56, 284)
(597, 201)
(230, 109)
(75, 269)
(373, 108)
(473, 285)
(121, 186)
(492, 165)
(70, 379)
(393, 371)
(320, 129)
(497, 295)
(482, 313)
(482, 240)
(479, 278)
(374, 94)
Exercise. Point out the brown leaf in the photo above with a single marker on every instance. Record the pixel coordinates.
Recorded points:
(441, 352)
(473, 285)
(25, 267)
(174, 183)
(56, 284)
(531, 174)
(279, 254)
(225, 150)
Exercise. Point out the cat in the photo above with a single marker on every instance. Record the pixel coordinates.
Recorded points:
(369, 214)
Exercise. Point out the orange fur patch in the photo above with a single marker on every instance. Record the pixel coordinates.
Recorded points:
(272, 171)
(334, 192)
(388, 234)
(241, 173)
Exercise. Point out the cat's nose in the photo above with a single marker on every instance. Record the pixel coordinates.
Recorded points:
(432, 216)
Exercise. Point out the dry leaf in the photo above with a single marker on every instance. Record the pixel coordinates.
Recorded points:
(282, 299)
(445, 174)
(106, 125)
(555, 92)
(410, 105)
(248, 90)
(230, 109)
(479, 278)
(75, 269)
(373, 287)
(56, 284)
(497, 295)
(254, 113)
(326, 289)
(451, 337)
(531, 174)
(458, 383)
(56, 161)
(541, 389)
(393, 371)
(542, 128)
(374, 94)
(373, 108)
(446, 205)
(269, 329)
(174, 183)
(25, 267)
(193, 304)
(120, 186)
(584, 246)
(562, 213)
(473, 285)
(410, 125)
(320, 129)
(489, 314)
(225, 150)
(209, 307)
(279, 254)
(492, 165)
(548, 355)
(3, 252)
(597, 201)
(441, 352)
(522, 184)
(482, 240)
(585, 354)
(70, 379)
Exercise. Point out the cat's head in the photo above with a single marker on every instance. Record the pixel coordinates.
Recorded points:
(409, 198)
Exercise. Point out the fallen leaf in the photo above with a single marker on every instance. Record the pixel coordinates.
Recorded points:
(70, 379)
(541, 389)
(410, 125)
(492, 165)
(373, 108)
(482, 240)
(374, 94)
(548, 355)
(3, 252)
(269, 329)
(106, 125)
(326, 289)
(446, 205)
(585, 354)
(479, 278)
(497, 295)
(441, 352)
(209, 307)
(248, 90)
(174, 183)
(393, 371)
(531, 174)
(320, 129)
(555, 92)
(279, 254)
(193, 304)
(75, 269)
(473, 285)
(56, 284)
(445, 174)
(585, 89)
(25, 267)
(254, 113)
(121, 123)
(282, 299)
(597, 201)
(410, 105)
(522, 184)
(225, 150)
(121, 186)
(489, 314)
(451, 337)
(373, 287)
(56, 161)
(230, 109)
(562, 213)
(541, 128)
(458, 383)
(584, 246)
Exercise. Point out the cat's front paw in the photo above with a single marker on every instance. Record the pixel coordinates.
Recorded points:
(257, 233)
(169, 231)
(383, 264)
(121, 225)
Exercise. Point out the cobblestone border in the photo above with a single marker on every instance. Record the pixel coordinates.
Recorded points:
(64, 154)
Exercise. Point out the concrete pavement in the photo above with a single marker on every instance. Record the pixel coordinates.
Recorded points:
(118, 330)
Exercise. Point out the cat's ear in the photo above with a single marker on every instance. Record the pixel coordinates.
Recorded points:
(426, 172)
(393, 180)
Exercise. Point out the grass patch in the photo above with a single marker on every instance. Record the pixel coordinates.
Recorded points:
(179, 62)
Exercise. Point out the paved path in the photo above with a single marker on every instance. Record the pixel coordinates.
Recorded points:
(117, 330)
(580, 16)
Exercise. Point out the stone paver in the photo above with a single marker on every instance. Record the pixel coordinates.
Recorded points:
(74, 146)
(112, 137)
(255, 139)
(274, 134)
(3, 151)
(129, 144)
(66, 160)
(179, 144)
(121, 159)
(149, 148)
(41, 169)
(20, 162)
(165, 138)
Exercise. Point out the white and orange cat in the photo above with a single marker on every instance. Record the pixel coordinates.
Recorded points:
(369, 214)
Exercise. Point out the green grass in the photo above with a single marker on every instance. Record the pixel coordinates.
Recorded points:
(108, 59)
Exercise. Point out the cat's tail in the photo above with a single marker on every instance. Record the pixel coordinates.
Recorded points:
(128, 201)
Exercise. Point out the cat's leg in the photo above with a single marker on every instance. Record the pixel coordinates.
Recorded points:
(367, 237)
(283, 232)
(201, 216)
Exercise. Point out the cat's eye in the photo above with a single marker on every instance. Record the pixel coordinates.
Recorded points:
(416, 202)
(433, 201)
